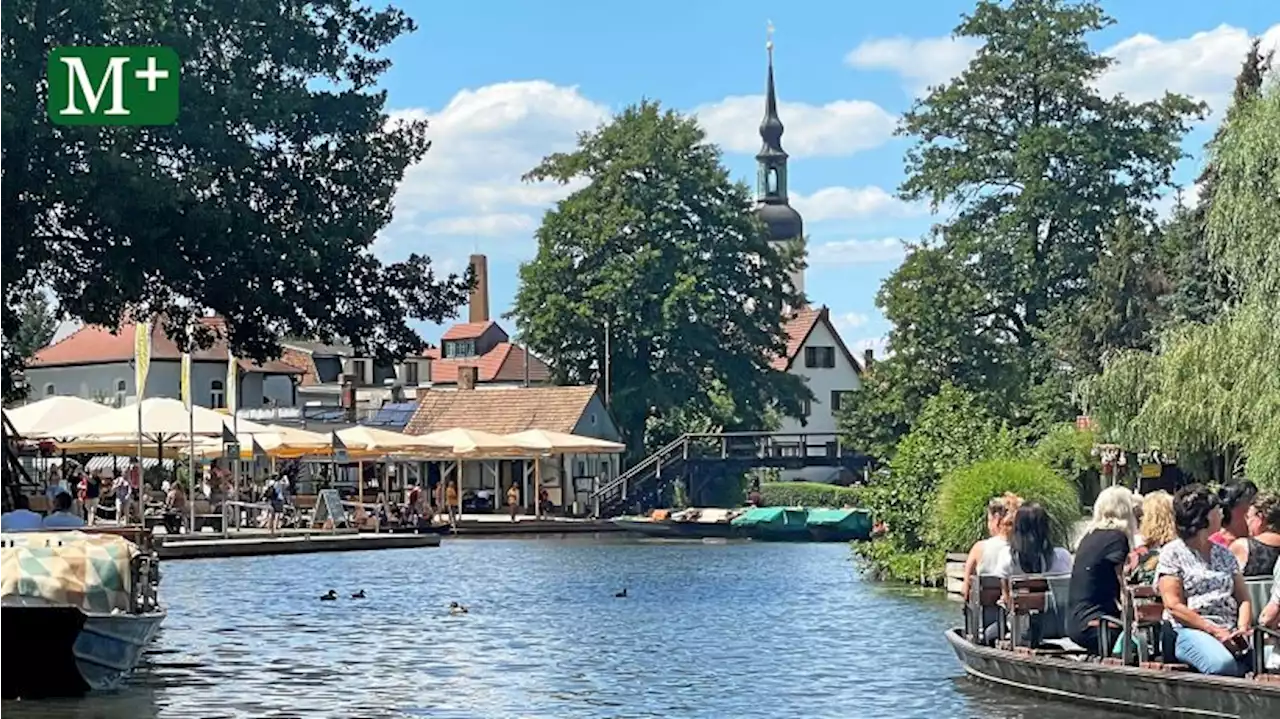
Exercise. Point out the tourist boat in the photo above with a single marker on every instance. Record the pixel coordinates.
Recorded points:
(1131, 689)
(838, 525)
(78, 609)
(1062, 671)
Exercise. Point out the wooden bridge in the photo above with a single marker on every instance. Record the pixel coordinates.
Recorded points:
(702, 460)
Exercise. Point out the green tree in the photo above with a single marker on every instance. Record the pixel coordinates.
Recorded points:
(661, 259)
(36, 325)
(1035, 168)
(1122, 307)
(1201, 288)
(261, 203)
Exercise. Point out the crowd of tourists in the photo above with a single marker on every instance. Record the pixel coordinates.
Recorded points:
(1195, 548)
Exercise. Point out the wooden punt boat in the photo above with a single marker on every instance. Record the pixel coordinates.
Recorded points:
(1137, 682)
(1135, 690)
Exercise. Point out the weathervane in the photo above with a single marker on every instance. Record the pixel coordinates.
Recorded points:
(768, 45)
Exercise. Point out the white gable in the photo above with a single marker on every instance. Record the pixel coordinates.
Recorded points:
(822, 380)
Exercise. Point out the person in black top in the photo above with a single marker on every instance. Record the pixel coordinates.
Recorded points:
(1257, 553)
(1099, 565)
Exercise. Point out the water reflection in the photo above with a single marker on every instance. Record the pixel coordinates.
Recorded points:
(707, 631)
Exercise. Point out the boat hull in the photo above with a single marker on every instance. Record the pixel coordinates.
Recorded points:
(678, 530)
(1137, 691)
(58, 651)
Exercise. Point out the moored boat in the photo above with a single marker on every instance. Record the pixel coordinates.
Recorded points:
(78, 609)
(774, 523)
(839, 525)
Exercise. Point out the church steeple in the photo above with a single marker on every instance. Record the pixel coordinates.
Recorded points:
(784, 223)
(772, 159)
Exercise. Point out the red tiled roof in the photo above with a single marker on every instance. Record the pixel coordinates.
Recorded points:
(470, 331)
(92, 344)
(431, 353)
(304, 363)
(798, 329)
(503, 363)
(502, 410)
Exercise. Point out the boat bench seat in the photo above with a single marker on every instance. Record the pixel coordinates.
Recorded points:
(1156, 666)
(1267, 678)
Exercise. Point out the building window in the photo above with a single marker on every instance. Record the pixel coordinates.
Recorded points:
(771, 181)
(358, 369)
(50, 390)
(806, 408)
(122, 391)
(217, 394)
(820, 357)
(411, 373)
(460, 348)
(838, 399)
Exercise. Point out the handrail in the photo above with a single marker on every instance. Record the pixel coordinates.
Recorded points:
(652, 459)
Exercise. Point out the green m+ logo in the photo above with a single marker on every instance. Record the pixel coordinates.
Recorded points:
(113, 85)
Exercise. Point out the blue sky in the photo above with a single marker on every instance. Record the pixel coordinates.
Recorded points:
(506, 82)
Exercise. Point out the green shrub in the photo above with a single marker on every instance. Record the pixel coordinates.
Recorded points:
(808, 494)
(953, 430)
(887, 560)
(1069, 452)
(960, 516)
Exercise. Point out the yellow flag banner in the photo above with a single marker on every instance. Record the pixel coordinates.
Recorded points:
(233, 375)
(186, 380)
(141, 357)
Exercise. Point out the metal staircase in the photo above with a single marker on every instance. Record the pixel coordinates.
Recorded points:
(14, 473)
(645, 485)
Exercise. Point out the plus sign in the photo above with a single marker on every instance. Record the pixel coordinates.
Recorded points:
(151, 74)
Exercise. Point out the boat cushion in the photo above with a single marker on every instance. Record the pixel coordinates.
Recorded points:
(89, 571)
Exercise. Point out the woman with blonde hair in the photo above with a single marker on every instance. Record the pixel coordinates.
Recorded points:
(1157, 530)
(1099, 565)
(983, 554)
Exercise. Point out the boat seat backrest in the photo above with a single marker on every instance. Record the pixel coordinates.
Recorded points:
(1028, 594)
(989, 589)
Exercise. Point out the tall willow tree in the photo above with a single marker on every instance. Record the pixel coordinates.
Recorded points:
(1216, 387)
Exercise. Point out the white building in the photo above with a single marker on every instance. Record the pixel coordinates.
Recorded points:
(816, 353)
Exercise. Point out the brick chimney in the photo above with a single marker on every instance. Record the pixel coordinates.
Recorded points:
(479, 306)
(467, 377)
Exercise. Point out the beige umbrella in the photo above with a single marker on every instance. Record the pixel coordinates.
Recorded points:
(49, 416)
(162, 420)
(563, 443)
(473, 444)
(546, 442)
(371, 441)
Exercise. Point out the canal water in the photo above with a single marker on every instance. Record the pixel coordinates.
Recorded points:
(705, 631)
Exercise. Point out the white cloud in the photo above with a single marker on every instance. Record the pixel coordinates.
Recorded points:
(848, 203)
(856, 252)
(834, 129)
(921, 63)
(1202, 66)
(483, 141)
(1164, 205)
(495, 225)
(849, 320)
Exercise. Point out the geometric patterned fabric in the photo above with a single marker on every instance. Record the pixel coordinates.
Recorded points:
(89, 571)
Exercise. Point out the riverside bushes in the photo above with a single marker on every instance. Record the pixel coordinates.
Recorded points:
(959, 518)
(808, 494)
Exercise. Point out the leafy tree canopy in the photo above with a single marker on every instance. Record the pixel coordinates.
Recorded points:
(661, 258)
(37, 324)
(261, 203)
(1036, 169)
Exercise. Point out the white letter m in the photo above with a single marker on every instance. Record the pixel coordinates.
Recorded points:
(78, 77)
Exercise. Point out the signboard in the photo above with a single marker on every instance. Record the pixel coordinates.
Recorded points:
(328, 507)
(1151, 471)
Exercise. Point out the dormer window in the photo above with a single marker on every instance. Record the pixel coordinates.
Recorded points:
(771, 181)
(460, 348)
